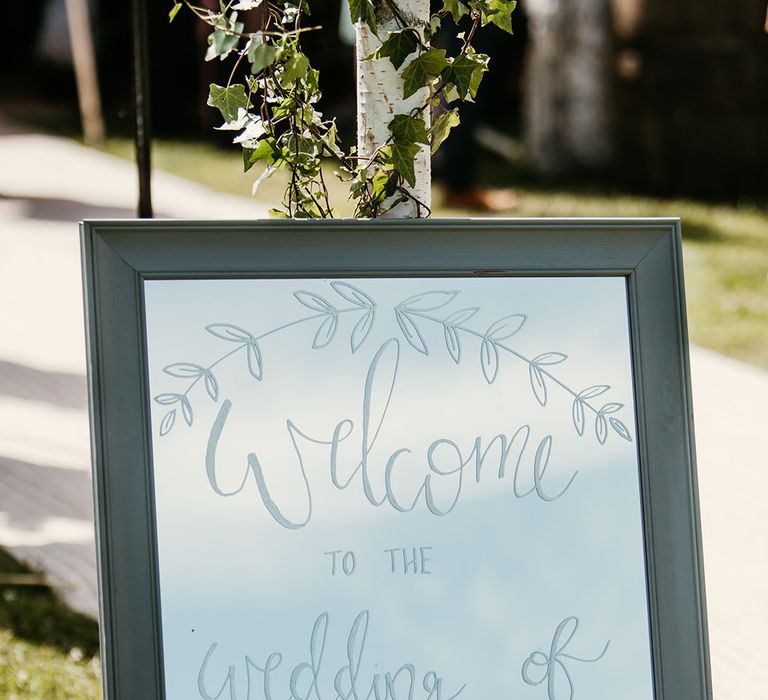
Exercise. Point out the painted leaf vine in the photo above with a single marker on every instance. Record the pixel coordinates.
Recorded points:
(325, 317)
(493, 344)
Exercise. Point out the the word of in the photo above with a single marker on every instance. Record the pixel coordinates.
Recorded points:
(548, 664)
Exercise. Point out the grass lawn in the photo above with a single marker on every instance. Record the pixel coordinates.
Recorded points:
(725, 247)
(47, 652)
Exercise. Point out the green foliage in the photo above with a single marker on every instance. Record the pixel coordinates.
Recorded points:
(397, 47)
(46, 649)
(423, 70)
(273, 106)
(228, 100)
(441, 127)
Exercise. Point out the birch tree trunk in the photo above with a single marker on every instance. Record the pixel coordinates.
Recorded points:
(380, 98)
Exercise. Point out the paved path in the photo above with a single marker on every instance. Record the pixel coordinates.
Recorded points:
(47, 184)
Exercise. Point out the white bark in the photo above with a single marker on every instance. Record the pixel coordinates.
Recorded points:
(380, 98)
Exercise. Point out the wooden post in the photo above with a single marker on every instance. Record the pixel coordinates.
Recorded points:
(84, 61)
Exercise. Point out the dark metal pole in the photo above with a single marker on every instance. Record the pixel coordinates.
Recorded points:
(143, 125)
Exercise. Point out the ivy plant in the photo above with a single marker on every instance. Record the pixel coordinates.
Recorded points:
(270, 99)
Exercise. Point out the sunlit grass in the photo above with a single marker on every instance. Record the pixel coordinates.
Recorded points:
(725, 247)
(47, 651)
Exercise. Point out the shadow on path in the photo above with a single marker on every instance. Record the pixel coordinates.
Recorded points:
(68, 210)
(64, 389)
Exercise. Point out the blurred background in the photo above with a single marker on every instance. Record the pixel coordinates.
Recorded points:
(592, 108)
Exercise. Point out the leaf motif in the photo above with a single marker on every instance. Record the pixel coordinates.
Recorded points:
(353, 295)
(167, 423)
(410, 331)
(577, 413)
(254, 359)
(489, 360)
(549, 358)
(461, 316)
(601, 428)
(611, 408)
(620, 428)
(537, 383)
(452, 342)
(314, 301)
(166, 399)
(326, 331)
(227, 331)
(186, 410)
(362, 329)
(184, 370)
(427, 301)
(593, 391)
(211, 385)
(506, 327)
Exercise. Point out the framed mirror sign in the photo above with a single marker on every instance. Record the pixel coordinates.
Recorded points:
(429, 460)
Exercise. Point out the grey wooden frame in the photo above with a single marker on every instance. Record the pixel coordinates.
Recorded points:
(119, 255)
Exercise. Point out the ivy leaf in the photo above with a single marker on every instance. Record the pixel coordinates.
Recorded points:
(363, 11)
(397, 47)
(500, 14)
(174, 11)
(225, 37)
(460, 73)
(442, 126)
(422, 70)
(265, 150)
(402, 157)
(296, 67)
(260, 55)
(228, 100)
(384, 184)
(456, 8)
(406, 129)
